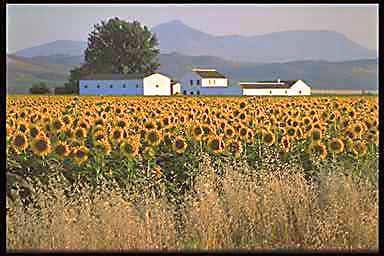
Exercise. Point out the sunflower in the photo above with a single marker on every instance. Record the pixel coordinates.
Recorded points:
(103, 146)
(80, 133)
(149, 125)
(268, 138)
(336, 146)
(215, 144)
(234, 147)
(197, 132)
(57, 125)
(316, 134)
(243, 131)
(33, 130)
(81, 154)
(98, 135)
(180, 145)
(319, 150)
(117, 134)
(359, 148)
(229, 132)
(286, 142)
(291, 131)
(22, 127)
(152, 137)
(129, 148)
(41, 145)
(20, 141)
(358, 128)
(61, 150)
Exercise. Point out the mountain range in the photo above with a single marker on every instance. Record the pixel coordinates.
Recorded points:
(175, 36)
(326, 59)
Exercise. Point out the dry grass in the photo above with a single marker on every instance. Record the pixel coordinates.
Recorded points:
(274, 210)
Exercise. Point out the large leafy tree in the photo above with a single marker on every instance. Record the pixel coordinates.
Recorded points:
(117, 46)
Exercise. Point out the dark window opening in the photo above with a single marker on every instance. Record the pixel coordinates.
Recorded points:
(98, 86)
(198, 93)
(185, 92)
(214, 81)
(123, 85)
(270, 92)
(286, 92)
(157, 86)
(197, 82)
(191, 93)
(85, 86)
(111, 86)
(299, 92)
(137, 86)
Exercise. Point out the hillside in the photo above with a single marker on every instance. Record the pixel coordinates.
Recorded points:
(358, 74)
(23, 72)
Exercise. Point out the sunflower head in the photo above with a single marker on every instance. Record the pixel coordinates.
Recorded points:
(80, 154)
(215, 144)
(336, 146)
(180, 145)
(41, 145)
(268, 138)
(19, 141)
(234, 147)
(129, 148)
(61, 150)
(152, 137)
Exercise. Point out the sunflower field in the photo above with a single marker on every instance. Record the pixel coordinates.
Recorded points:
(158, 141)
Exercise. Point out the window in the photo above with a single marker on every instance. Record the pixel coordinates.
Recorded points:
(214, 81)
(286, 92)
(98, 86)
(191, 93)
(270, 92)
(124, 86)
(185, 92)
(299, 92)
(197, 82)
(191, 82)
(198, 93)
(157, 86)
(137, 86)
(209, 81)
(85, 86)
(111, 86)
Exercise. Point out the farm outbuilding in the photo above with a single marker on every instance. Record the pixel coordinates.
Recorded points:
(276, 88)
(130, 84)
(200, 81)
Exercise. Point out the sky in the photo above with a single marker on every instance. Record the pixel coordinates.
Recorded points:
(34, 24)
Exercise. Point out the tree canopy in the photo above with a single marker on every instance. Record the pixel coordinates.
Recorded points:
(117, 46)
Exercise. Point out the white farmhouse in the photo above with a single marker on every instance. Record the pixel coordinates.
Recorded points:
(280, 88)
(203, 82)
(131, 84)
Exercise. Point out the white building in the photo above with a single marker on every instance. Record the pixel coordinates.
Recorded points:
(280, 88)
(131, 84)
(203, 82)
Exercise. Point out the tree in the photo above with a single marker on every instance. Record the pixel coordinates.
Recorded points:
(39, 88)
(117, 46)
(72, 86)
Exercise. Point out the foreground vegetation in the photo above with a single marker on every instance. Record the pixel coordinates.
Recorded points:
(196, 172)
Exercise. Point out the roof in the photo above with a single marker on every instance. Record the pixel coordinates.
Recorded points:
(268, 84)
(110, 76)
(208, 73)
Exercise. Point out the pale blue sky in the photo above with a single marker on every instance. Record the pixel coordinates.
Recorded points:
(30, 25)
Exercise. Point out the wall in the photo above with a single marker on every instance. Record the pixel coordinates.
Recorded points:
(185, 83)
(106, 90)
(157, 84)
(300, 86)
(217, 82)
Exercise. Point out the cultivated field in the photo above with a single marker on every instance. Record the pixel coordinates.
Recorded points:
(192, 172)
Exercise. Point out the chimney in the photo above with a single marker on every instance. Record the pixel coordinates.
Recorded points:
(278, 80)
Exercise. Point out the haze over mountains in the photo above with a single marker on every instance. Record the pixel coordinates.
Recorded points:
(326, 59)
